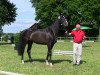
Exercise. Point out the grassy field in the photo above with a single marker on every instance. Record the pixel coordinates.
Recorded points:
(62, 65)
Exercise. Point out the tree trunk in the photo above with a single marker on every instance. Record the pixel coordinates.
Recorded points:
(99, 34)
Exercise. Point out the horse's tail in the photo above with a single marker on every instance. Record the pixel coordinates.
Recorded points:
(21, 45)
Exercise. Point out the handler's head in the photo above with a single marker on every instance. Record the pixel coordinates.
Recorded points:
(78, 27)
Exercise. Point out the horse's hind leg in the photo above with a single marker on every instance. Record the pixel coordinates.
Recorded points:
(22, 53)
(29, 50)
(22, 59)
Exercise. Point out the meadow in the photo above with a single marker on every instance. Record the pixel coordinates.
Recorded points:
(62, 64)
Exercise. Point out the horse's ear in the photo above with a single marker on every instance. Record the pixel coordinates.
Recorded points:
(60, 13)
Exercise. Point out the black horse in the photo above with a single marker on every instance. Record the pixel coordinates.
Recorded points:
(47, 36)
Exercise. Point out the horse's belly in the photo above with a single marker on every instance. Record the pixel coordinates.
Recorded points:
(42, 38)
(43, 43)
(39, 40)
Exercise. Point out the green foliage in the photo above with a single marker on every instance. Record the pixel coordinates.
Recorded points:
(5, 38)
(16, 38)
(7, 12)
(6, 35)
(1, 31)
(77, 11)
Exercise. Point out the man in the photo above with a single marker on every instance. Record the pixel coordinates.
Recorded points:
(78, 37)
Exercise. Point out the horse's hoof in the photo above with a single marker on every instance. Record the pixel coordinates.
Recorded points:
(47, 63)
(51, 65)
(22, 62)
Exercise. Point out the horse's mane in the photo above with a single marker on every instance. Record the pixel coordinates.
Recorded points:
(32, 28)
(34, 25)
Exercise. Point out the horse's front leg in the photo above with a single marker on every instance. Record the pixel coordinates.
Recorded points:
(47, 63)
(49, 55)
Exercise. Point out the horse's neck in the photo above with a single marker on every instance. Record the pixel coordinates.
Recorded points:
(55, 27)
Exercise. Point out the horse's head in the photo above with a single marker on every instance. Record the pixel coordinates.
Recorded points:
(63, 20)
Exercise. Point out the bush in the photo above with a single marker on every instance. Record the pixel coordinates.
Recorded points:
(5, 38)
(16, 40)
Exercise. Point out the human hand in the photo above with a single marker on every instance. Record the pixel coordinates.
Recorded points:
(66, 32)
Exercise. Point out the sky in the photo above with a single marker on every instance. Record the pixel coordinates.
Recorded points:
(24, 19)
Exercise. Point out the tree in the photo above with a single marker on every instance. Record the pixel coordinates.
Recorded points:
(1, 31)
(46, 11)
(86, 12)
(91, 11)
(7, 12)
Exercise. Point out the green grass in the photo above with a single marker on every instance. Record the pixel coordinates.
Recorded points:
(62, 65)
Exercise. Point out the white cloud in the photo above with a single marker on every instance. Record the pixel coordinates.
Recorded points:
(24, 19)
(15, 28)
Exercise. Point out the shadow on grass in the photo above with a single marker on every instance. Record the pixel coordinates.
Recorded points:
(35, 60)
(5, 43)
(59, 61)
(86, 46)
(53, 61)
(82, 62)
(43, 61)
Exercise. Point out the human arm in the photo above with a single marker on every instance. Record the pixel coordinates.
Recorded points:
(66, 32)
(69, 34)
(84, 37)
